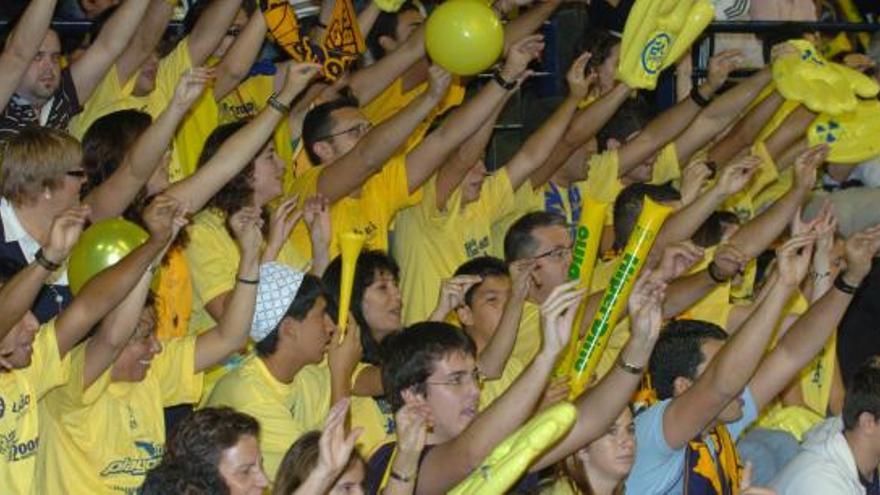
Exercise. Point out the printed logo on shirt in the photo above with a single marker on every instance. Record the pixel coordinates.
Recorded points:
(474, 247)
(12, 449)
(136, 466)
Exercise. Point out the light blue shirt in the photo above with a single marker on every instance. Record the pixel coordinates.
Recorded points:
(659, 469)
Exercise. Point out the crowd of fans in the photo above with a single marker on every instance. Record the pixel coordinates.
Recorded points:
(208, 359)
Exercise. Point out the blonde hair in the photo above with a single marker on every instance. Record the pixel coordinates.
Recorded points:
(35, 159)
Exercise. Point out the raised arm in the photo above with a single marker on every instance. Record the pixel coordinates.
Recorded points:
(450, 462)
(370, 154)
(237, 62)
(672, 122)
(164, 218)
(422, 161)
(106, 289)
(788, 133)
(19, 293)
(746, 130)
(144, 42)
(88, 70)
(584, 126)
(600, 405)
(210, 29)
(725, 376)
(238, 150)
(460, 162)
(231, 332)
(22, 46)
(716, 117)
(526, 23)
(115, 194)
(811, 331)
(369, 82)
(539, 146)
(495, 355)
(682, 224)
(757, 235)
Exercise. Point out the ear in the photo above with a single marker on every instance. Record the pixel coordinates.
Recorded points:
(287, 330)
(612, 144)
(465, 315)
(411, 397)
(868, 423)
(387, 43)
(323, 150)
(681, 385)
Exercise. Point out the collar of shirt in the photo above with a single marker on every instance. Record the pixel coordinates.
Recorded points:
(13, 231)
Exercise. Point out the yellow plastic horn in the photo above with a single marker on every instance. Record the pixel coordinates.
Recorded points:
(350, 245)
(614, 300)
(512, 457)
(584, 254)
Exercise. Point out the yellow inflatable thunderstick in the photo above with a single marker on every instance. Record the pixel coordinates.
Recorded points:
(614, 300)
(822, 86)
(852, 137)
(350, 245)
(657, 34)
(584, 253)
(512, 457)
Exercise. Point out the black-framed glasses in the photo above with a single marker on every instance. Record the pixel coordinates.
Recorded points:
(76, 174)
(555, 253)
(474, 377)
(359, 129)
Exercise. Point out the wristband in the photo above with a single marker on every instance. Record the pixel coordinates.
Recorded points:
(504, 83)
(275, 103)
(699, 99)
(841, 285)
(629, 368)
(45, 262)
(247, 281)
(401, 478)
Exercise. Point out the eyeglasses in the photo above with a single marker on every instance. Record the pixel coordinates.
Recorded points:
(77, 174)
(359, 129)
(473, 378)
(555, 253)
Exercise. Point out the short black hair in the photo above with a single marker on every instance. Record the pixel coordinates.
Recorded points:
(678, 353)
(633, 116)
(319, 122)
(370, 264)
(628, 207)
(519, 243)
(308, 293)
(386, 25)
(107, 141)
(710, 233)
(483, 266)
(409, 356)
(599, 43)
(863, 394)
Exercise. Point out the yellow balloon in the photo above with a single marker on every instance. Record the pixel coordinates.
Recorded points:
(101, 246)
(464, 37)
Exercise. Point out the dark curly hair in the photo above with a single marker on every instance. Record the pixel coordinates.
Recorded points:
(238, 192)
(206, 433)
(678, 353)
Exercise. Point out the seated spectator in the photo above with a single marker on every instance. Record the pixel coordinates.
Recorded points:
(214, 450)
(839, 454)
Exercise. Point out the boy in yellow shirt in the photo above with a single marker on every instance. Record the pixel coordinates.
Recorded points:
(105, 428)
(291, 330)
(453, 222)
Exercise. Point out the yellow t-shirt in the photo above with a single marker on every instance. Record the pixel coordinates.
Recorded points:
(715, 306)
(199, 123)
(492, 389)
(285, 410)
(394, 99)
(20, 391)
(113, 95)
(430, 244)
(105, 438)
(381, 197)
(529, 338)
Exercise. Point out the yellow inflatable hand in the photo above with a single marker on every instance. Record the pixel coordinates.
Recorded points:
(852, 136)
(822, 86)
(512, 457)
(657, 33)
